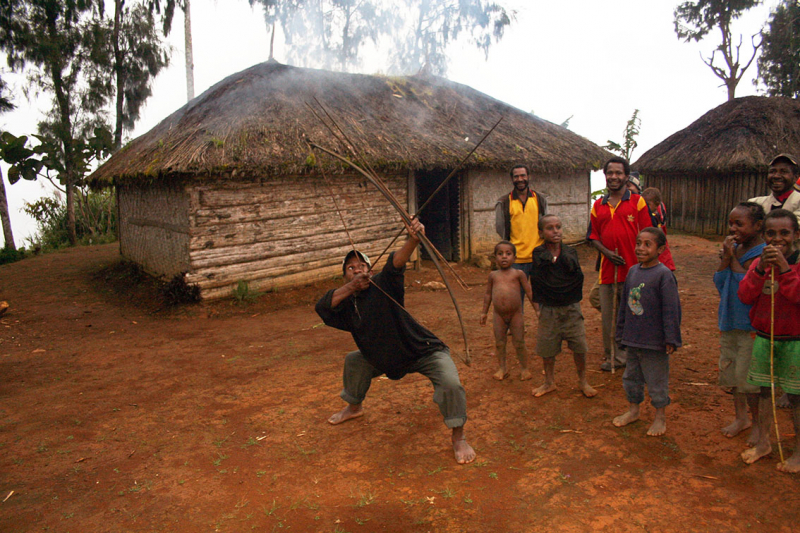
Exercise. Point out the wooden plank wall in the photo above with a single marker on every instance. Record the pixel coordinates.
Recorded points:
(701, 204)
(279, 233)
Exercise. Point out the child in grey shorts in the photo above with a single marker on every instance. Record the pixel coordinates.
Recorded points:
(557, 284)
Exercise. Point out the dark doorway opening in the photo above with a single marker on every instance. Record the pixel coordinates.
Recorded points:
(441, 217)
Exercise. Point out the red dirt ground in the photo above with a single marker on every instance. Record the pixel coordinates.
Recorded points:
(117, 414)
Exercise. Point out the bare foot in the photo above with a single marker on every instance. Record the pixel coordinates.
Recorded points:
(736, 427)
(349, 412)
(625, 419)
(752, 440)
(525, 375)
(463, 451)
(751, 455)
(544, 389)
(501, 374)
(588, 390)
(791, 465)
(658, 428)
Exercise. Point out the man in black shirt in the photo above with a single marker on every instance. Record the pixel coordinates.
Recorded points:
(390, 341)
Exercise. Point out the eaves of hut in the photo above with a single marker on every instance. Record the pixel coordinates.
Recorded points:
(225, 189)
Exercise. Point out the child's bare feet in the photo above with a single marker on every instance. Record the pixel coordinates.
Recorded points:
(544, 389)
(463, 451)
(501, 374)
(588, 390)
(751, 455)
(736, 427)
(658, 428)
(791, 465)
(349, 412)
(525, 375)
(631, 416)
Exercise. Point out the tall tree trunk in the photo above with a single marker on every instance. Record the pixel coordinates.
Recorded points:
(64, 134)
(187, 35)
(120, 96)
(73, 235)
(4, 218)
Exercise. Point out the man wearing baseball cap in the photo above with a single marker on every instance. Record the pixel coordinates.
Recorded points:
(390, 341)
(784, 173)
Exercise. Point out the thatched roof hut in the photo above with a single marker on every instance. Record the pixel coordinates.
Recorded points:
(721, 159)
(225, 188)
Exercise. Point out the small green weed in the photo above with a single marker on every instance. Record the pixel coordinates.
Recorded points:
(243, 294)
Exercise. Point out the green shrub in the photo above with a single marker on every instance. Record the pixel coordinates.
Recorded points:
(95, 219)
(7, 255)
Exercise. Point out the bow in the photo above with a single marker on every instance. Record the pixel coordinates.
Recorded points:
(426, 244)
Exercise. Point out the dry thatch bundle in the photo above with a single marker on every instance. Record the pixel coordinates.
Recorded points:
(253, 124)
(741, 135)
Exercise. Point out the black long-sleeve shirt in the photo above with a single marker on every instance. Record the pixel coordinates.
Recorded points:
(559, 283)
(388, 337)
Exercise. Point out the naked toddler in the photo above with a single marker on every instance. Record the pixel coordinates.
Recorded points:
(502, 291)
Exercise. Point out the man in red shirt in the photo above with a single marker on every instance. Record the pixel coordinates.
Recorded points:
(616, 220)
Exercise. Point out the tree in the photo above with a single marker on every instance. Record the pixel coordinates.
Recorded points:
(72, 53)
(436, 23)
(332, 33)
(5, 105)
(779, 63)
(23, 164)
(51, 39)
(137, 54)
(695, 20)
(629, 142)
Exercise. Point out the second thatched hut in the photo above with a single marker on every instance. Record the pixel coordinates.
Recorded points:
(721, 159)
(225, 188)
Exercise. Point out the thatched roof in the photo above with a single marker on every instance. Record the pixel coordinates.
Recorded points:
(253, 123)
(741, 135)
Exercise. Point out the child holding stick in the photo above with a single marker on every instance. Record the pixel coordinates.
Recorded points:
(557, 284)
(739, 249)
(649, 326)
(503, 290)
(777, 322)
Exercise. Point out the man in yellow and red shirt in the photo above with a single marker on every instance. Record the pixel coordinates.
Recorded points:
(616, 220)
(517, 217)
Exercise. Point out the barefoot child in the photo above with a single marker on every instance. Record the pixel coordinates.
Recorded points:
(557, 285)
(649, 326)
(503, 290)
(780, 255)
(739, 249)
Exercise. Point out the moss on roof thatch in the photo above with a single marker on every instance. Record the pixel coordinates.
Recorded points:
(253, 122)
(741, 135)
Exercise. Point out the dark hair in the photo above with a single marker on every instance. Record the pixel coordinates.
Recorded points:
(515, 167)
(617, 159)
(541, 220)
(511, 244)
(754, 211)
(653, 194)
(783, 213)
(661, 238)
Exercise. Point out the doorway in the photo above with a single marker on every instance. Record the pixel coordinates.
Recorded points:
(441, 217)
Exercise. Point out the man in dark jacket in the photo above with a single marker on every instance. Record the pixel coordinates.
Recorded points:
(390, 341)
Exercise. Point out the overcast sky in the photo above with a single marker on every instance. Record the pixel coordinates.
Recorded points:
(594, 61)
